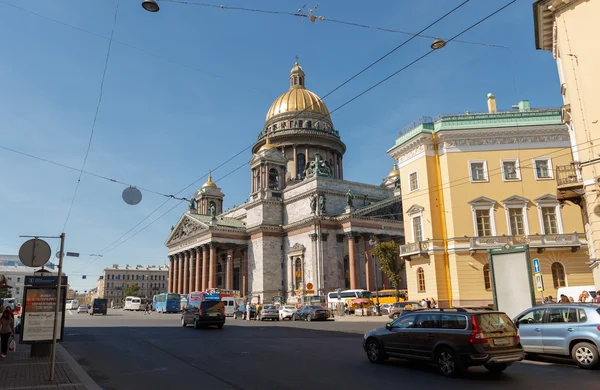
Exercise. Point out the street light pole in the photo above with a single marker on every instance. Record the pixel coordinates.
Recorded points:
(56, 311)
(373, 242)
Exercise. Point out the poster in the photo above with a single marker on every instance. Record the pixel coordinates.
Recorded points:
(38, 314)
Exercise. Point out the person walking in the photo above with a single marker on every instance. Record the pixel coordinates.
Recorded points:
(248, 311)
(258, 308)
(7, 329)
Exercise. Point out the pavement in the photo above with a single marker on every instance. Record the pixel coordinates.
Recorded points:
(18, 371)
(130, 351)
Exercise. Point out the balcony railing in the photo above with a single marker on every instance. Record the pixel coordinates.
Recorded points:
(420, 248)
(539, 241)
(568, 175)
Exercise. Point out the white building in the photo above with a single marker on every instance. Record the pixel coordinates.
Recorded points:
(15, 273)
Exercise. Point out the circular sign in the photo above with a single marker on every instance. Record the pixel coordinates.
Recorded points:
(58, 254)
(132, 196)
(309, 286)
(35, 253)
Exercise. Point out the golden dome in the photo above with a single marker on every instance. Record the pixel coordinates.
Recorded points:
(298, 98)
(267, 146)
(209, 182)
(394, 172)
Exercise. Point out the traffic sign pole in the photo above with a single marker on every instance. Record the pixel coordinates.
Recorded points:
(56, 311)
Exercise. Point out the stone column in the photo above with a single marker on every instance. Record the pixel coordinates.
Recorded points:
(295, 168)
(170, 281)
(229, 270)
(352, 260)
(198, 278)
(204, 267)
(212, 266)
(291, 275)
(186, 272)
(180, 274)
(368, 265)
(335, 166)
(341, 168)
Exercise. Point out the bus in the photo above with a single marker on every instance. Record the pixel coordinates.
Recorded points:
(133, 303)
(389, 296)
(229, 302)
(335, 300)
(166, 303)
(72, 304)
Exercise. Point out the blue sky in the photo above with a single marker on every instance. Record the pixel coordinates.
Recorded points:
(188, 87)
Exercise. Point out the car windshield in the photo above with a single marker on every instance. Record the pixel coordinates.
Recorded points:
(195, 304)
(173, 296)
(491, 323)
(288, 307)
(315, 307)
(269, 308)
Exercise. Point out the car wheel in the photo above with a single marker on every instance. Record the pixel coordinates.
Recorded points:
(395, 316)
(496, 368)
(183, 322)
(447, 362)
(308, 318)
(276, 319)
(293, 317)
(375, 352)
(220, 326)
(585, 355)
(196, 325)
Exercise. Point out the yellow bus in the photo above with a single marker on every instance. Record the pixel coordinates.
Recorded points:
(389, 296)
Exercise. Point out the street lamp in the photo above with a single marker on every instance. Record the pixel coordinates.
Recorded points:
(150, 5)
(374, 242)
(437, 44)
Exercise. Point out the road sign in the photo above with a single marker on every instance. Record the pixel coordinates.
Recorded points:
(309, 291)
(44, 280)
(72, 254)
(58, 255)
(35, 252)
(536, 266)
(309, 286)
(539, 282)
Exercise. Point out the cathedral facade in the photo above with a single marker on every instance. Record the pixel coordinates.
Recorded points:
(305, 230)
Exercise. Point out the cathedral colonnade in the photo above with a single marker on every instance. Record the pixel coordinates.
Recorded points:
(212, 265)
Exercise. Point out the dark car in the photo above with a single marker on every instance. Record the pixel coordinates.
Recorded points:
(310, 313)
(98, 306)
(204, 313)
(451, 339)
(240, 312)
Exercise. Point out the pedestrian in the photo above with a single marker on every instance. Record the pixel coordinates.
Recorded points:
(428, 303)
(584, 297)
(424, 302)
(571, 300)
(146, 309)
(597, 298)
(248, 311)
(563, 298)
(346, 308)
(7, 329)
(433, 303)
(258, 308)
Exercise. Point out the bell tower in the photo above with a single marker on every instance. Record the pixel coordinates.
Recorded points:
(209, 197)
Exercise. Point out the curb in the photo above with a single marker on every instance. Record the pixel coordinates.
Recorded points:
(83, 376)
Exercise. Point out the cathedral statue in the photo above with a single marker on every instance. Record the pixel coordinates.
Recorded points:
(313, 203)
(349, 198)
(318, 167)
(213, 210)
(322, 201)
(192, 204)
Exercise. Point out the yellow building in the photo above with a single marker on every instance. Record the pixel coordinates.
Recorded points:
(474, 182)
(568, 29)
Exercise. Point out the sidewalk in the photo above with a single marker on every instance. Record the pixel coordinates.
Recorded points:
(18, 371)
(352, 318)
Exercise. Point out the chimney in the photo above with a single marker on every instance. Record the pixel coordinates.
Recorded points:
(524, 106)
(491, 101)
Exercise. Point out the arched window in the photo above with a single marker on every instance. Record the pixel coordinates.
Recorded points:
(486, 277)
(301, 161)
(298, 273)
(273, 179)
(346, 271)
(421, 279)
(558, 275)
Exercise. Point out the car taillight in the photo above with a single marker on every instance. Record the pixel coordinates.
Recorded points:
(476, 337)
(599, 327)
(518, 337)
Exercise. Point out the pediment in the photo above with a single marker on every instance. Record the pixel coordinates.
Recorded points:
(185, 228)
(516, 200)
(415, 209)
(548, 198)
(482, 201)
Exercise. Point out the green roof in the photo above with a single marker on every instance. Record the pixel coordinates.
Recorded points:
(221, 221)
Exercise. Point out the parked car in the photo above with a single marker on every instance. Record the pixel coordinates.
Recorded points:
(397, 309)
(286, 312)
(240, 312)
(82, 309)
(565, 329)
(451, 339)
(269, 312)
(204, 313)
(310, 313)
(385, 308)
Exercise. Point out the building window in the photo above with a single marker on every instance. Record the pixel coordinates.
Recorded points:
(421, 280)
(478, 171)
(273, 179)
(301, 161)
(558, 275)
(417, 225)
(484, 223)
(487, 281)
(18, 290)
(511, 170)
(346, 272)
(549, 220)
(19, 279)
(413, 180)
(298, 273)
(517, 224)
(543, 168)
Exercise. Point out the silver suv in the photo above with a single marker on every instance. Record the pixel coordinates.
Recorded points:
(568, 329)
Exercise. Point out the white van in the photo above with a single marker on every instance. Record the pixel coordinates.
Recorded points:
(72, 304)
(576, 291)
(133, 303)
(229, 303)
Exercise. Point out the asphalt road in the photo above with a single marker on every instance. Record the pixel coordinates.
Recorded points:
(133, 351)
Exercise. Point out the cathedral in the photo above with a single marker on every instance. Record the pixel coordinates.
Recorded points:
(305, 230)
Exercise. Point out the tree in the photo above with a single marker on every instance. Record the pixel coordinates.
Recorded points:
(387, 253)
(5, 294)
(132, 290)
